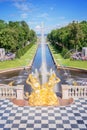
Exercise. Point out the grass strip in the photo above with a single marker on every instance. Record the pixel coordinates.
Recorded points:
(25, 60)
(67, 62)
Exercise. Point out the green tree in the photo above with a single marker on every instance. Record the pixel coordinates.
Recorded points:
(2, 24)
(83, 26)
(75, 35)
(14, 35)
(8, 39)
(70, 36)
(25, 31)
(32, 36)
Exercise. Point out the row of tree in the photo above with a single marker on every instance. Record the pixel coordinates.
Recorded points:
(15, 35)
(72, 36)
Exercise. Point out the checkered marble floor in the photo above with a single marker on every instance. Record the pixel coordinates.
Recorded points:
(73, 117)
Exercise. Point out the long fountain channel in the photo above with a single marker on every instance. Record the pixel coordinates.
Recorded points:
(43, 65)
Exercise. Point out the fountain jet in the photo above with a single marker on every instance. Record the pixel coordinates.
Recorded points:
(44, 65)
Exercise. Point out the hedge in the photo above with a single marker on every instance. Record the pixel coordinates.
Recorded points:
(23, 50)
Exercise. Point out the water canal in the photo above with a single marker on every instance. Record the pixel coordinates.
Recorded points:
(19, 77)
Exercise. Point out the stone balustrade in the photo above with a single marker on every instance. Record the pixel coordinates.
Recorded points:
(69, 91)
(10, 92)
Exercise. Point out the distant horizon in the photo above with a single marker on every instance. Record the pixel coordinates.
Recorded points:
(54, 14)
(39, 34)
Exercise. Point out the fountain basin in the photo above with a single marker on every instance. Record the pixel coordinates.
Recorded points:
(62, 102)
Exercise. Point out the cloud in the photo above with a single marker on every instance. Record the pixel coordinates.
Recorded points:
(21, 6)
(24, 15)
(57, 26)
(61, 17)
(24, 7)
(44, 15)
(38, 27)
(32, 22)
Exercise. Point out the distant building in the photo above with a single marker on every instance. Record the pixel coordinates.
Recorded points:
(84, 51)
(2, 54)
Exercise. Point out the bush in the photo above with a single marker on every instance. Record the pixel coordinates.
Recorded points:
(23, 50)
(65, 53)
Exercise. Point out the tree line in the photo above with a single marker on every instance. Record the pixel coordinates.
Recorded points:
(15, 35)
(72, 36)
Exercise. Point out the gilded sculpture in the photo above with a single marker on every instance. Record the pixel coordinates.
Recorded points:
(42, 95)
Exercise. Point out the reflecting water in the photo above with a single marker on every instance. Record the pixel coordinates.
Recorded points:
(38, 60)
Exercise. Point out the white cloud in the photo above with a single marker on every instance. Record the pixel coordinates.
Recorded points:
(38, 28)
(21, 6)
(61, 17)
(32, 22)
(44, 15)
(57, 26)
(24, 15)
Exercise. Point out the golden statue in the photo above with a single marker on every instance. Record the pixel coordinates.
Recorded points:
(53, 80)
(33, 81)
(42, 95)
(11, 83)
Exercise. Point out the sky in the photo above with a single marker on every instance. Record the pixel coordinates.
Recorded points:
(52, 13)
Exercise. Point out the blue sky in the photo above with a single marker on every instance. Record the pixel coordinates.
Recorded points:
(53, 13)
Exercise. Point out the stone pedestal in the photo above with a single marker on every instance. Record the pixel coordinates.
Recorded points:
(20, 92)
(65, 92)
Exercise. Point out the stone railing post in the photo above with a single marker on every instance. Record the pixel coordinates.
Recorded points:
(69, 91)
(65, 92)
(9, 92)
(20, 92)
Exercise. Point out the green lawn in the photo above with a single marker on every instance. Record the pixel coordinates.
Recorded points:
(67, 62)
(25, 60)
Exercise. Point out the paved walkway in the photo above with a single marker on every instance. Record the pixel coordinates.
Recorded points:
(73, 117)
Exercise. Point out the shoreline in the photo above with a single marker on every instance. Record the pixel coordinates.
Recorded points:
(29, 67)
(72, 68)
(14, 69)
